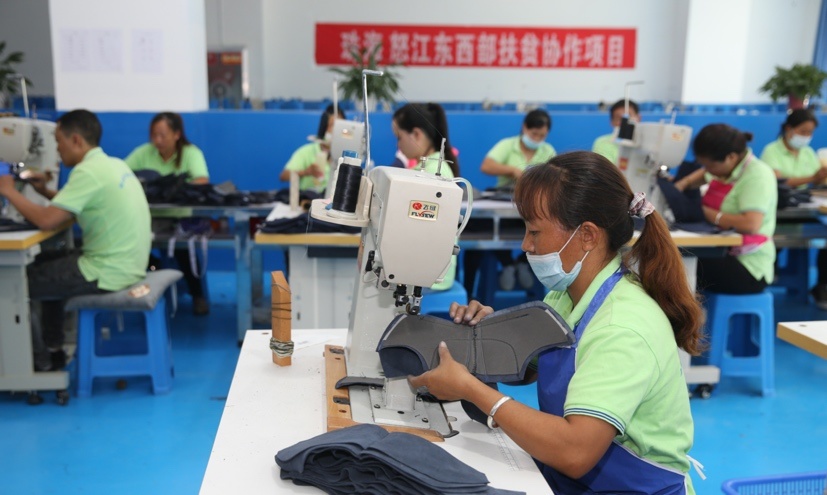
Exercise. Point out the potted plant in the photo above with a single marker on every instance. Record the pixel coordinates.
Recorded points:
(380, 89)
(9, 82)
(798, 84)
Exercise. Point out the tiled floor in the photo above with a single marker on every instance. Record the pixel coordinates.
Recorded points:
(131, 442)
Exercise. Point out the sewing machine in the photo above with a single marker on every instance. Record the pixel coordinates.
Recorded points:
(30, 145)
(410, 225)
(654, 147)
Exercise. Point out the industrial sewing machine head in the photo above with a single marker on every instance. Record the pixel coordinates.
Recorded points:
(411, 220)
(30, 146)
(648, 149)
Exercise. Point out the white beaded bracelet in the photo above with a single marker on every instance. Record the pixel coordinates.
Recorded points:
(491, 423)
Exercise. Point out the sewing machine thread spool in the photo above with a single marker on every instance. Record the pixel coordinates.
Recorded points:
(348, 180)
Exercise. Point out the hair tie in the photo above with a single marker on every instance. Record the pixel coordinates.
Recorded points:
(640, 207)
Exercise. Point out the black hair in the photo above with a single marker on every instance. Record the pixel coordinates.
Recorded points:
(716, 141)
(798, 117)
(430, 119)
(621, 104)
(84, 123)
(582, 186)
(537, 119)
(323, 121)
(175, 124)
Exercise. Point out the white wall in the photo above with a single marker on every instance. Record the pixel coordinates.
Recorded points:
(24, 26)
(733, 46)
(289, 48)
(178, 81)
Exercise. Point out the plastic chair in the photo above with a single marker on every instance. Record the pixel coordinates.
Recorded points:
(153, 359)
(438, 302)
(754, 319)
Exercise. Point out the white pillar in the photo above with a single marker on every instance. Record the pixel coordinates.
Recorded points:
(129, 56)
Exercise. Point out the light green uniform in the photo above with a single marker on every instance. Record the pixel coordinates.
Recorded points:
(777, 156)
(431, 166)
(109, 205)
(755, 189)
(508, 152)
(628, 373)
(147, 157)
(301, 160)
(605, 145)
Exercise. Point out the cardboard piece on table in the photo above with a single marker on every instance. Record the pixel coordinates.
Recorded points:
(281, 315)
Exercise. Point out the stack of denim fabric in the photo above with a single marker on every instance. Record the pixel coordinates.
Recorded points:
(368, 459)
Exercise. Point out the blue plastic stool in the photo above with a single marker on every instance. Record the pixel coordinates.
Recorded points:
(757, 309)
(152, 356)
(438, 302)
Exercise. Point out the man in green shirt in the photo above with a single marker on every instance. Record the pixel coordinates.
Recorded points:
(605, 145)
(105, 198)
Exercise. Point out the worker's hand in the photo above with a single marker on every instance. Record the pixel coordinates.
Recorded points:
(710, 214)
(38, 180)
(516, 173)
(819, 176)
(448, 381)
(471, 314)
(6, 181)
(315, 171)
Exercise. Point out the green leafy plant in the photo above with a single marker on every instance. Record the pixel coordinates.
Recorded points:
(8, 82)
(382, 89)
(800, 81)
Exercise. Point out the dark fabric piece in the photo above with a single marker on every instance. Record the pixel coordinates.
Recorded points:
(283, 195)
(790, 197)
(821, 263)
(176, 189)
(9, 225)
(367, 459)
(53, 277)
(497, 349)
(304, 224)
(726, 275)
(698, 227)
(182, 258)
(685, 205)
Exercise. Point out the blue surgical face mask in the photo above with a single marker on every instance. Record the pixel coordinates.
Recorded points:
(798, 141)
(549, 268)
(529, 143)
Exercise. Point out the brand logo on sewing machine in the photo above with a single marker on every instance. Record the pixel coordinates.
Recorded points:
(422, 210)
(8, 131)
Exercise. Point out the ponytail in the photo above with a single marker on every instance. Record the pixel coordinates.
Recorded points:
(662, 275)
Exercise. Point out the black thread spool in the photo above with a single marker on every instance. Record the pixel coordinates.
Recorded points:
(346, 195)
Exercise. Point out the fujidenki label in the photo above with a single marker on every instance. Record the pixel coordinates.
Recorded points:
(423, 210)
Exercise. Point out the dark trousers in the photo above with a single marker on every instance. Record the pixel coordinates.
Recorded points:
(726, 275)
(53, 277)
(472, 259)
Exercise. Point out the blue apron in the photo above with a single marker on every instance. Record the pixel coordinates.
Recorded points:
(619, 470)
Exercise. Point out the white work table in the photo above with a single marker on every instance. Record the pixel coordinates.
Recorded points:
(808, 335)
(17, 250)
(271, 407)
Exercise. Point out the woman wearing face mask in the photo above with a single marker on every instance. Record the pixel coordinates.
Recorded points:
(605, 145)
(791, 156)
(793, 159)
(170, 152)
(742, 196)
(419, 129)
(614, 413)
(507, 160)
(312, 160)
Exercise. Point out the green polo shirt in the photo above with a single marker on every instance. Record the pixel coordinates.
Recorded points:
(109, 205)
(605, 145)
(628, 372)
(301, 160)
(431, 166)
(508, 152)
(147, 157)
(790, 166)
(755, 188)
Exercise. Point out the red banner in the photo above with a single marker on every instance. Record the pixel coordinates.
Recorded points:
(479, 46)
